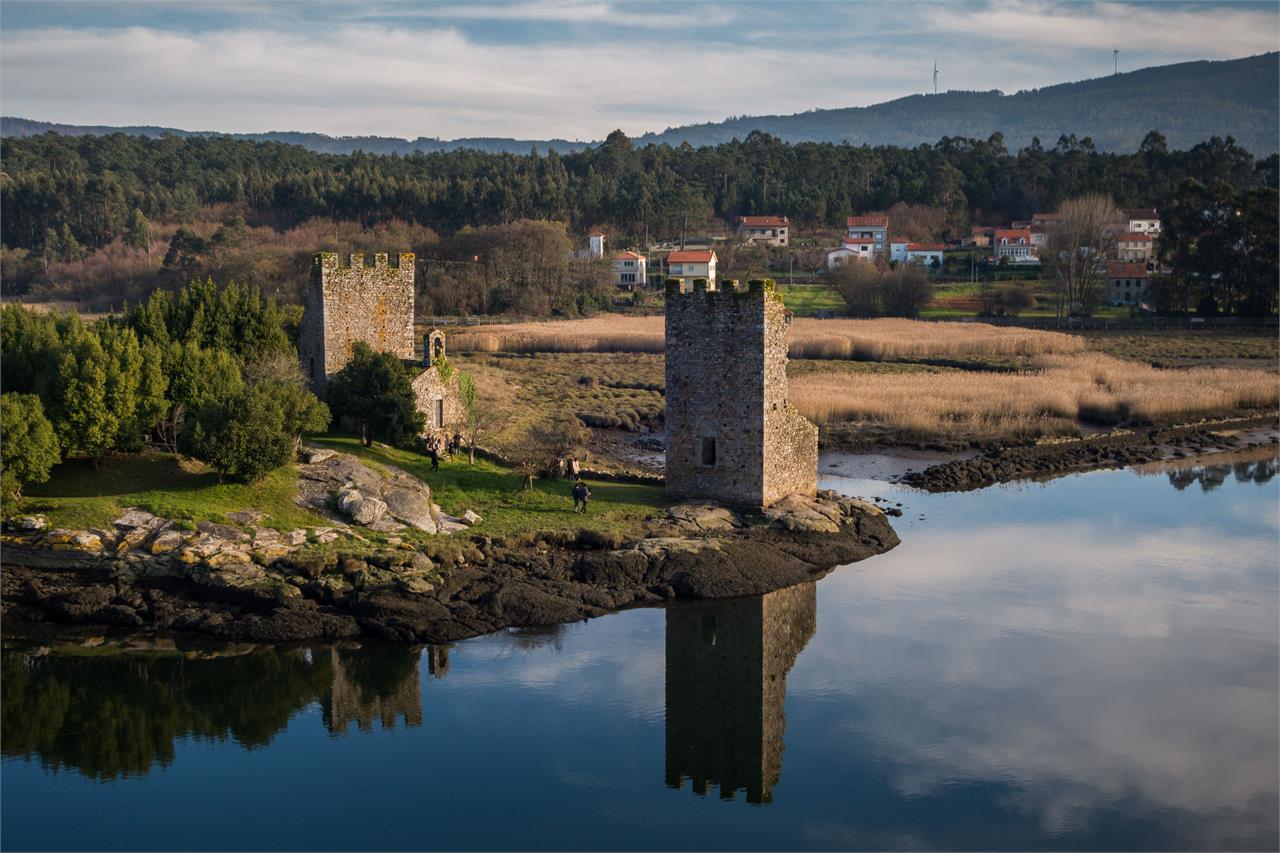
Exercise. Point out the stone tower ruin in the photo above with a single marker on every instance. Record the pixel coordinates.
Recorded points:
(732, 435)
(355, 302)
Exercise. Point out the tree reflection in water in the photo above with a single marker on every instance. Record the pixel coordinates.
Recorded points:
(108, 713)
(727, 665)
(1211, 477)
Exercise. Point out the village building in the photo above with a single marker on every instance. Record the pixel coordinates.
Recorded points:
(978, 238)
(906, 252)
(732, 434)
(356, 303)
(873, 227)
(1039, 236)
(1143, 221)
(595, 244)
(1014, 244)
(1045, 220)
(1127, 282)
(692, 264)
(773, 230)
(860, 249)
(1135, 246)
(629, 270)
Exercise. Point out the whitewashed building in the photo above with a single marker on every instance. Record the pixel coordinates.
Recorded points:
(629, 270)
(691, 264)
(873, 227)
(774, 230)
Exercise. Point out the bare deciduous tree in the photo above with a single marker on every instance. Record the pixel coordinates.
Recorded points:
(1078, 248)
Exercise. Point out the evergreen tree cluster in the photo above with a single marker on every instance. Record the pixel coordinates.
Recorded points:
(60, 195)
(207, 371)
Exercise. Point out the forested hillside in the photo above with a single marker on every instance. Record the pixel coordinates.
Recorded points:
(106, 219)
(1188, 102)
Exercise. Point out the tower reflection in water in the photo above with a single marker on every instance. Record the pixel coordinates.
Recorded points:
(727, 665)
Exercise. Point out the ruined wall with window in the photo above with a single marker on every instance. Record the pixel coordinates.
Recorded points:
(355, 302)
(436, 389)
(732, 435)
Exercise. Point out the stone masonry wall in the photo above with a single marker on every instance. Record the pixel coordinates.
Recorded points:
(351, 303)
(726, 382)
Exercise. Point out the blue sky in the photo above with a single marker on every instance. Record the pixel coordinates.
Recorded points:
(564, 68)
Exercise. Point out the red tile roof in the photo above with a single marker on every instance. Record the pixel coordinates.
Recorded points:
(1013, 234)
(926, 247)
(692, 256)
(1124, 269)
(859, 241)
(628, 256)
(764, 221)
(1135, 235)
(1046, 217)
(871, 220)
(1142, 213)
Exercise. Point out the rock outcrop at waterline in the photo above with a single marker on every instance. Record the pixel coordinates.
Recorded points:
(474, 586)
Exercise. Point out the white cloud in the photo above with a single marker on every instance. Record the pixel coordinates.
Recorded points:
(578, 68)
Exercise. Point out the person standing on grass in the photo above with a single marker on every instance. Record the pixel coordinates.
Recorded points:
(435, 456)
(580, 495)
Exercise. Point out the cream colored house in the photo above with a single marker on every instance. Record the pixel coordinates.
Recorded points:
(629, 270)
(691, 264)
(774, 230)
(1135, 246)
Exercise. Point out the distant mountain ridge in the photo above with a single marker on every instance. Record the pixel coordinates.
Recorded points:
(1187, 102)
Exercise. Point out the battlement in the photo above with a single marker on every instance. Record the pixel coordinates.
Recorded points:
(729, 286)
(355, 302)
(356, 260)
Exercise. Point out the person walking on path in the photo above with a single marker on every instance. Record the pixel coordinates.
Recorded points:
(580, 495)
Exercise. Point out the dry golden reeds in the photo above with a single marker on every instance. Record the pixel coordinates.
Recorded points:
(1050, 399)
(863, 340)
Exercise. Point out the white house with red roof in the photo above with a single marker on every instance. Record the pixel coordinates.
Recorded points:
(1014, 244)
(629, 270)
(855, 249)
(871, 226)
(691, 264)
(774, 230)
(1143, 221)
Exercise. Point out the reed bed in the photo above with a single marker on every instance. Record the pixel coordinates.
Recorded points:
(1051, 398)
(863, 340)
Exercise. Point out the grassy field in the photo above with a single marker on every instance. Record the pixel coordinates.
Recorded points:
(1188, 347)
(808, 300)
(79, 497)
(495, 493)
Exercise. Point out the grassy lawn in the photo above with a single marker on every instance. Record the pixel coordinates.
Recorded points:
(77, 496)
(808, 300)
(495, 493)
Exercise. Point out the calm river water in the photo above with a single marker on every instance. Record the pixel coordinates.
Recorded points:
(1086, 664)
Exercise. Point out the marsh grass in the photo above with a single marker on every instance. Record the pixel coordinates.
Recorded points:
(861, 340)
(1052, 396)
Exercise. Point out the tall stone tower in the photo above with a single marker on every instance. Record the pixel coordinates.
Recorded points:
(731, 434)
(351, 303)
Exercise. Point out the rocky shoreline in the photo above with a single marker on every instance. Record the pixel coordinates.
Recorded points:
(468, 585)
(1117, 449)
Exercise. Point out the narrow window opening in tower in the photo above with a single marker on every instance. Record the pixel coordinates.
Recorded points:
(708, 451)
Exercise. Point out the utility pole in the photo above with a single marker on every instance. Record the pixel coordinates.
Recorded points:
(1115, 59)
(935, 76)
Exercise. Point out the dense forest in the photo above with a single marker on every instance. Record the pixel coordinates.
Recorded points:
(90, 186)
(105, 220)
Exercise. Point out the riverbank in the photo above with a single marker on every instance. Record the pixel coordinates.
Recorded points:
(1116, 449)
(474, 585)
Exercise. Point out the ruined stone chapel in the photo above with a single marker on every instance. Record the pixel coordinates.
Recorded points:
(356, 302)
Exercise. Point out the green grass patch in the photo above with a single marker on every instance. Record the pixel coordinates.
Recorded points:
(495, 492)
(808, 300)
(77, 496)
